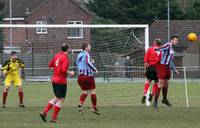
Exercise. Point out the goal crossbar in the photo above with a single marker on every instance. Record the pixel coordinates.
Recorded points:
(74, 26)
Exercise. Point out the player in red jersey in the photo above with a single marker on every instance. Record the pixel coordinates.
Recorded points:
(59, 64)
(151, 59)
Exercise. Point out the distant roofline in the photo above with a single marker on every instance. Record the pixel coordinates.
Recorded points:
(39, 6)
(84, 9)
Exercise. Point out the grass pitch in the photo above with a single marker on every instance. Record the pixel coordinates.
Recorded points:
(119, 104)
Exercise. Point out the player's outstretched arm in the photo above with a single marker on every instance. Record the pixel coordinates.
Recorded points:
(6, 67)
(146, 65)
(173, 67)
(146, 56)
(51, 64)
(23, 75)
(22, 66)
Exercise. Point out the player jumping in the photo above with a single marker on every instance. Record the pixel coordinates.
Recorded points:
(59, 64)
(86, 79)
(164, 69)
(151, 59)
(11, 71)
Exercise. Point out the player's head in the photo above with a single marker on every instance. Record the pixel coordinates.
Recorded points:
(86, 47)
(13, 55)
(157, 42)
(65, 47)
(174, 40)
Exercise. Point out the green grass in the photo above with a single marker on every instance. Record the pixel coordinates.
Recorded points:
(119, 104)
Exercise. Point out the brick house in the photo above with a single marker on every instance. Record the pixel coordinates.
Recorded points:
(47, 12)
(187, 54)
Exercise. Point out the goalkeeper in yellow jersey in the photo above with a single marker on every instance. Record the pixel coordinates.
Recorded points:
(11, 70)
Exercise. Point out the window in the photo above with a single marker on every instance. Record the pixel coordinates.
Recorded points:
(41, 30)
(74, 33)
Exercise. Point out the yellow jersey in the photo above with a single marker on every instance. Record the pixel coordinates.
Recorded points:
(12, 69)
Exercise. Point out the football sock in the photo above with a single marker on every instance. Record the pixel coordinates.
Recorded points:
(155, 87)
(94, 100)
(50, 104)
(21, 96)
(146, 87)
(157, 94)
(82, 98)
(5, 93)
(164, 92)
(57, 108)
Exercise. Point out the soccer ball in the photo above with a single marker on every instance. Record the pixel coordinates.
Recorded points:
(192, 37)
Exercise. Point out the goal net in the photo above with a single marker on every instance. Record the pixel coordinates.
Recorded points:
(117, 50)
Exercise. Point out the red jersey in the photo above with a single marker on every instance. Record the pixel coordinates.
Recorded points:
(152, 57)
(60, 65)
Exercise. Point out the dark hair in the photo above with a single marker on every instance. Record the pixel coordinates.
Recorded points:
(158, 42)
(13, 53)
(85, 45)
(64, 47)
(172, 37)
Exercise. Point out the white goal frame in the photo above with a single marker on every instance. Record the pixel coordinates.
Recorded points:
(144, 26)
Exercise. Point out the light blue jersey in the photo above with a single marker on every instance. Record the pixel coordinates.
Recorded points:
(85, 67)
(167, 55)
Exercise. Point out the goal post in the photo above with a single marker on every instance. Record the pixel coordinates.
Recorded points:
(110, 42)
(112, 45)
(127, 35)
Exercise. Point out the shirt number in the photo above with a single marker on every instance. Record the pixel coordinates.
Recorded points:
(158, 53)
(57, 62)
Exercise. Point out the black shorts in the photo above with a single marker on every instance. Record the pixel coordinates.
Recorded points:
(60, 90)
(151, 73)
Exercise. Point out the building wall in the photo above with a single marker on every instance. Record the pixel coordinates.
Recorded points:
(192, 55)
(54, 13)
(19, 35)
(191, 59)
(57, 13)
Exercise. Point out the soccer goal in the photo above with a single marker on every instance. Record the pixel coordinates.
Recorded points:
(117, 50)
